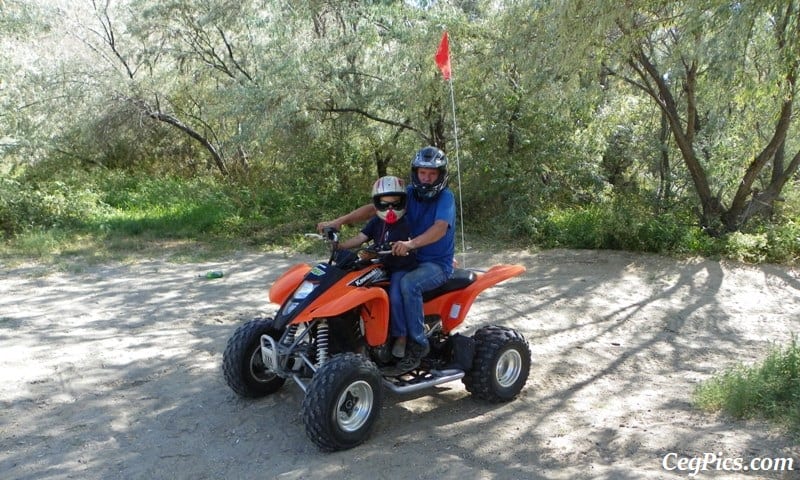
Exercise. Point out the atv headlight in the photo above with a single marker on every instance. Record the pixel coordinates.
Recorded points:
(304, 290)
(290, 307)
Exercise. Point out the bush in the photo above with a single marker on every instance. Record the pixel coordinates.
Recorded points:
(770, 390)
(746, 247)
(616, 225)
(769, 242)
(783, 240)
(46, 205)
(258, 209)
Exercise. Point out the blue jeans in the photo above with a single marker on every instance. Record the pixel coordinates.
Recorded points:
(405, 299)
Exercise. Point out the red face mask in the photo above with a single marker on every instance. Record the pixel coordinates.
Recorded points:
(391, 217)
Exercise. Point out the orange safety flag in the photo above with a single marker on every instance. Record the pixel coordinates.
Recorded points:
(443, 56)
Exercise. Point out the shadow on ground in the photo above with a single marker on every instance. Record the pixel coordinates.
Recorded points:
(114, 372)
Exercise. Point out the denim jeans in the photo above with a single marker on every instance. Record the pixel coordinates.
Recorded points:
(405, 299)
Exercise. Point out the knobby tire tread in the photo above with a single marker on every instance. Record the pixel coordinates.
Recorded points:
(479, 381)
(321, 394)
(236, 358)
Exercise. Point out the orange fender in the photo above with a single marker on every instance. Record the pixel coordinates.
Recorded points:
(453, 307)
(374, 313)
(288, 282)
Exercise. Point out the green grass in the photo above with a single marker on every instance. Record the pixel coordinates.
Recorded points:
(768, 390)
(614, 226)
(108, 214)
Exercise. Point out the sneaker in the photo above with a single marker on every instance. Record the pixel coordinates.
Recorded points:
(414, 355)
(399, 348)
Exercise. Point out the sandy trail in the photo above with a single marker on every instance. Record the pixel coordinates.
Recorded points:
(113, 371)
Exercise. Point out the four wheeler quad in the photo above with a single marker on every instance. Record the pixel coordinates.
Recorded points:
(331, 336)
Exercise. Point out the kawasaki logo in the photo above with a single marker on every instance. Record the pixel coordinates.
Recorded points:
(367, 277)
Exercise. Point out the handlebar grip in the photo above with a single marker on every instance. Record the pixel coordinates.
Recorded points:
(331, 233)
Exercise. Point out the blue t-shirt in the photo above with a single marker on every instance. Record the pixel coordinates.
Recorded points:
(422, 214)
(382, 233)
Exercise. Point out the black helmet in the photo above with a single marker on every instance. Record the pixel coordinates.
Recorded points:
(429, 157)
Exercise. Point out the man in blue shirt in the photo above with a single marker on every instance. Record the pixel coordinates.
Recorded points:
(431, 212)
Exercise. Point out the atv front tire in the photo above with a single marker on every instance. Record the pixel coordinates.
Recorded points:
(501, 364)
(342, 402)
(242, 366)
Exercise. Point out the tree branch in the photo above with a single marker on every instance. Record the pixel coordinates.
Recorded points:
(109, 37)
(157, 114)
(358, 111)
(229, 48)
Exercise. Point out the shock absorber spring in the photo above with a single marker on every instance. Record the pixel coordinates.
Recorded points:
(322, 343)
(288, 336)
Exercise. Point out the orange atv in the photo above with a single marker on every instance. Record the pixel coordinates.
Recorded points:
(331, 336)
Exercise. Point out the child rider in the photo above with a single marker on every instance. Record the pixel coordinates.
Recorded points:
(389, 198)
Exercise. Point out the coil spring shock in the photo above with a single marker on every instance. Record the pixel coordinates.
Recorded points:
(322, 343)
(288, 337)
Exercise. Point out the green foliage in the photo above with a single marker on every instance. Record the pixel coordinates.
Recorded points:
(620, 225)
(40, 243)
(771, 243)
(307, 102)
(20, 18)
(50, 204)
(199, 208)
(722, 74)
(626, 222)
(114, 206)
(769, 390)
(106, 204)
(747, 247)
(783, 239)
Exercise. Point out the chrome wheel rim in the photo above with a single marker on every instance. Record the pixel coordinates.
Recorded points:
(508, 369)
(354, 406)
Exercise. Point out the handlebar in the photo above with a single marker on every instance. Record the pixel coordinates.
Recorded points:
(331, 235)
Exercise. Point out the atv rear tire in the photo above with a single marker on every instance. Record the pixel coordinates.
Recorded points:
(501, 364)
(242, 366)
(342, 402)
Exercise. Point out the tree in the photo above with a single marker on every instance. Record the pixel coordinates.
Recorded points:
(370, 67)
(717, 71)
(25, 111)
(197, 68)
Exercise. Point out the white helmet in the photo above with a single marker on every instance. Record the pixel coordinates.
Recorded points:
(390, 212)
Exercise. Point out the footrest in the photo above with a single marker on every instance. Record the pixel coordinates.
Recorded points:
(410, 382)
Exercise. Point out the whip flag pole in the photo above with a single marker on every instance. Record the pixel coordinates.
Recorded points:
(442, 59)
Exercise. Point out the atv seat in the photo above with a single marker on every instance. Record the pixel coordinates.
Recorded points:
(459, 279)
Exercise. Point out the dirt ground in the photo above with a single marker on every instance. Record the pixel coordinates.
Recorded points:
(114, 371)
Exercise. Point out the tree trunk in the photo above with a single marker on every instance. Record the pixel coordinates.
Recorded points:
(655, 85)
(381, 163)
(763, 202)
(664, 173)
(215, 155)
(742, 207)
(714, 217)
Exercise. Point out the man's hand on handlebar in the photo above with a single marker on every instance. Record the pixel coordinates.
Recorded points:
(402, 248)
